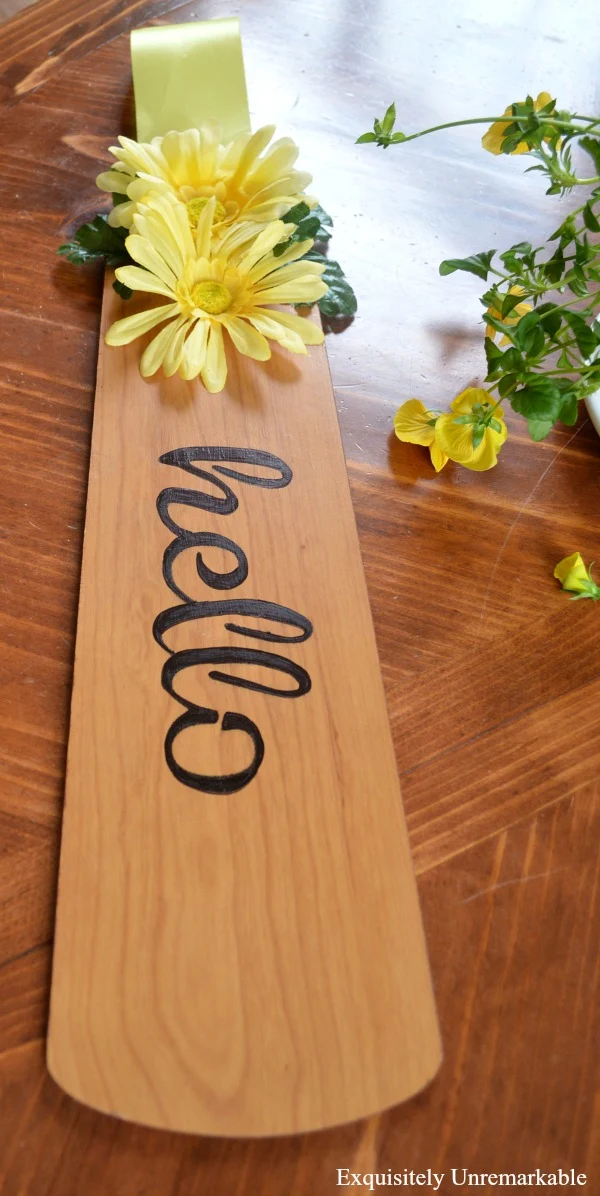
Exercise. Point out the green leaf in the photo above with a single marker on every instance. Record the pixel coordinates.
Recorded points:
(325, 223)
(589, 219)
(399, 137)
(364, 137)
(509, 302)
(96, 241)
(389, 120)
(506, 329)
(535, 342)
(511, 359)
(122, 290)
(539, 399)
(539, 428)
(309, 225)
(478, 263)
(569, 410)
(591, 145)
(524, 333)
(478, 431)
(507, 385)
(493, 354)
(553, 269)
(340, 299)
(297, 213)
(550, 318)
(586, 339)
(563, 362)
(118, 198)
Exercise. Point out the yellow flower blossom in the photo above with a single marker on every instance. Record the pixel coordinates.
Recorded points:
(473, 432)
(247, 180)
(211, 287)
(573, 576)
(414, 424)
(492, 140)
(513, 318)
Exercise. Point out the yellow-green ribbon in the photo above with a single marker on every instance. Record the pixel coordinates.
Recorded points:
(186, 74)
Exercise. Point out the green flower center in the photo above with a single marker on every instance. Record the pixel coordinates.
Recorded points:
(212, 297)
(196, 206)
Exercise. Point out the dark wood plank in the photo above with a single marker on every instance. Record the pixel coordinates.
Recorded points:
(492, 674)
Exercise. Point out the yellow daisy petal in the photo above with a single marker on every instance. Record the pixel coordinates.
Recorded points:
(214, 370)
(282, 324)
(194, 350)
(142, 280)
(122, 332)
(143, 252)
(246, 339)
(153, 356)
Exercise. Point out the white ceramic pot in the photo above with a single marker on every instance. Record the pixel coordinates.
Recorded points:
(593, 406)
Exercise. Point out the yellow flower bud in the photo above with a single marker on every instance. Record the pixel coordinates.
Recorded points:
(573, 576)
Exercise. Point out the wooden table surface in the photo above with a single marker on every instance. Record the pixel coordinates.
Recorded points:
(492, 674)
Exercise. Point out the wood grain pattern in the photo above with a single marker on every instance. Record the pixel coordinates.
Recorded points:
(458, 570)
(247, 960)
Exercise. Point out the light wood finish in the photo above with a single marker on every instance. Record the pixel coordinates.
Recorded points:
(492, 675)
(248, 962)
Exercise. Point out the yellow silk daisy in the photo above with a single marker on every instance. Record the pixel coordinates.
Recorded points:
(520, 310)
(472, 434)
(214, 286)
(247, 180)
(492, 140)
(414, 424)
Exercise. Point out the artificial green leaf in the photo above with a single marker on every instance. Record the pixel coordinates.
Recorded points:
(478, 263)
(325, 223)
(308, 226)
(539, 428)
(122, 290)
(340, 299)
(117, 198)
(297, 213)
(95, 241)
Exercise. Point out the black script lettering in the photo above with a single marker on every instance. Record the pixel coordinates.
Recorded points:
(198, 716)
(252, 656)
(222, 503)
(234, 606)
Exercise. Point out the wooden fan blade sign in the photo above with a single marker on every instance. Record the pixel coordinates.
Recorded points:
(239, 948)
